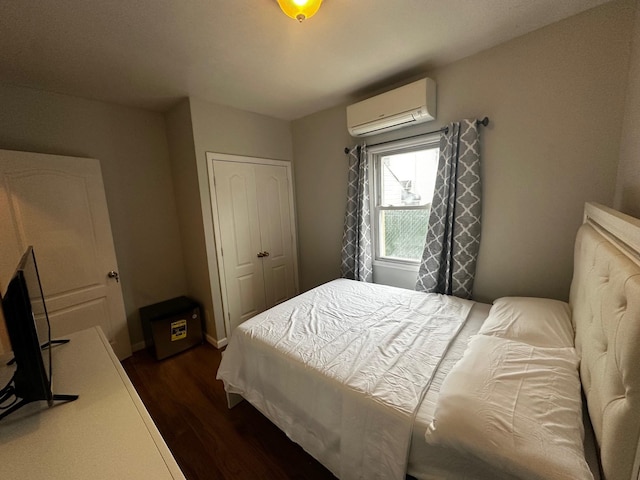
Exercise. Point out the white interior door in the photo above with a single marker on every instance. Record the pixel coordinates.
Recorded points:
(240, 240)
(253, 204)
(276, 234)
(58, 205)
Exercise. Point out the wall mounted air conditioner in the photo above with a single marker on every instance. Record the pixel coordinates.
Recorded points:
(408, 105)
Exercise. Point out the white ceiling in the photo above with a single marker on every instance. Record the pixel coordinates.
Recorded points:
(246, 53)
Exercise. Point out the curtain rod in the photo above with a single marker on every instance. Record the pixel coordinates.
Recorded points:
(484, 122)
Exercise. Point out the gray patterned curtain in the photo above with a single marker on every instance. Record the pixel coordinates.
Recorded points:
(356, 239)
(453, 237)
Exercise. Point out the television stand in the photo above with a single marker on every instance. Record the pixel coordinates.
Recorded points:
(59, 341)
(10, 390)
(60, 397)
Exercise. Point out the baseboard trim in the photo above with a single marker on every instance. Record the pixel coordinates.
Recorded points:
(136, 347)
(216, 343)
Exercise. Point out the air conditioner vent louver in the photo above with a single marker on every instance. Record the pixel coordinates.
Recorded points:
(408, 105)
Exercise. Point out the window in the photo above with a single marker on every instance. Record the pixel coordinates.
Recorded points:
(404, 180)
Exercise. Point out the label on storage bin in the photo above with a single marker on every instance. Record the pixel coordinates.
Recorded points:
(178, 330)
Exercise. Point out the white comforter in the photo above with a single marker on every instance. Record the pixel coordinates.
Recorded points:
(342, 369)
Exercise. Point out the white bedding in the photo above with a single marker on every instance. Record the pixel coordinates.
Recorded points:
(516, 406)
(432, 462)
(348, 397)
(541, 322)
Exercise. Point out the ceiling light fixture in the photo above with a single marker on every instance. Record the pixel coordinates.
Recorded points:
(300, 9)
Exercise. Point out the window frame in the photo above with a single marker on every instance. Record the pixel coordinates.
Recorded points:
(375, 154)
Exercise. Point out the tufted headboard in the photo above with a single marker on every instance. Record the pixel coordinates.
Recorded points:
(605, 303)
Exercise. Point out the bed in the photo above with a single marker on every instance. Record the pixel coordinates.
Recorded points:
(379, 382)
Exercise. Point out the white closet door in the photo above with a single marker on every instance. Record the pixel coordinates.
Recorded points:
(235, 187)
(58, 205)
(276, 233)
(253, 203)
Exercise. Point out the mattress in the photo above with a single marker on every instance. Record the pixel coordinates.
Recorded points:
(342, 369)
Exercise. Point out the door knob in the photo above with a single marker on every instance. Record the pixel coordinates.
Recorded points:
(263, 254)
(114, 274)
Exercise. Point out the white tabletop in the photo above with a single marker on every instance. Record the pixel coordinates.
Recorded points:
(105, 434)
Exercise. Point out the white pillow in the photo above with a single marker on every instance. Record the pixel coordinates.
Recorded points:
(516, 407)
(540, 322)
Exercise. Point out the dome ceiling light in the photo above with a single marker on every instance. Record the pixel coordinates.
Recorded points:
(300, 9)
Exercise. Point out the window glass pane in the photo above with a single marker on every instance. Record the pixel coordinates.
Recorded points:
(402, 233)
(408, 178)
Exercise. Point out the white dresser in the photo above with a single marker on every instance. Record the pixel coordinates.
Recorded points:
(105, 434)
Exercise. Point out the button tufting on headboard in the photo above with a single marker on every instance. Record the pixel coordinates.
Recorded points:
(605, 303)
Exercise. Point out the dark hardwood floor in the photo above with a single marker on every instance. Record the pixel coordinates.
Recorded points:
(208, 440)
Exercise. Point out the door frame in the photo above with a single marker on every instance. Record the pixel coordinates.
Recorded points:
(212, 157)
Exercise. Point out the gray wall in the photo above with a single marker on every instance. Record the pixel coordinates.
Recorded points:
(149, 223)
(221, 129)
(555, 99)
(132, 148)
(628, 186)
(185, 181)
(321, 191)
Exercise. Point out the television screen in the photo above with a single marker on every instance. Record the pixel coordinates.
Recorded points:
(27, 324)
(29, 271)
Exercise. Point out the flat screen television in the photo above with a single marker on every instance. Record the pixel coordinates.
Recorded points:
(27, 322)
